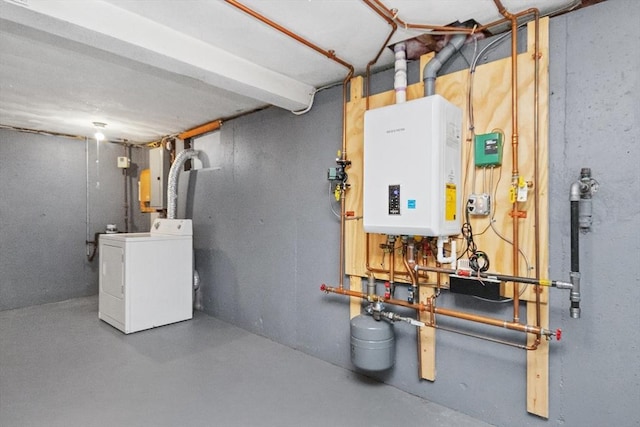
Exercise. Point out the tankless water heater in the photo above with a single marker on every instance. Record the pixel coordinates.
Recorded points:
(412, 157)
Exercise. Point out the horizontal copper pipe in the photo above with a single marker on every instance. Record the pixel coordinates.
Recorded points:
(328, 53)
(202, 129)
(393, 14)
(373, 298)
(430, 307)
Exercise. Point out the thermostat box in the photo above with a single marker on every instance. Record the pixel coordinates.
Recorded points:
(488, 149)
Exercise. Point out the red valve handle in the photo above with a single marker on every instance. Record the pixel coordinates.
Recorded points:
(558, 334)
(323, 287)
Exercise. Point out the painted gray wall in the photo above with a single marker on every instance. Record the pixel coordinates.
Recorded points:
(43, 213)
(265, 239)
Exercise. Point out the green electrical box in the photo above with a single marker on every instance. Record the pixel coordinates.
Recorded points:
(488, 149)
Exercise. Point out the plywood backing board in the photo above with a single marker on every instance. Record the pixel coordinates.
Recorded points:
(492, 109)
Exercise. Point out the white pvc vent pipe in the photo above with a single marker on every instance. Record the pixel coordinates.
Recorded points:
(400, 78)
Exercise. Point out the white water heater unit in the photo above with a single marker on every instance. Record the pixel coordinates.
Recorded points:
(412, 161)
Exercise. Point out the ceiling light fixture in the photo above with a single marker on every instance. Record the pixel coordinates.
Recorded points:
(99, 135)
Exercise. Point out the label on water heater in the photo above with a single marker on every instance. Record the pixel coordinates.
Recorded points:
(450, 202)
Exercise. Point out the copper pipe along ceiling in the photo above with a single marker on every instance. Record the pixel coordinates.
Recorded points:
(328, 53)
(331, 55)
(394, 27)
(202, 129)
(393, 14)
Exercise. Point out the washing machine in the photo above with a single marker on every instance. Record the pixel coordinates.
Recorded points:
(146, 279)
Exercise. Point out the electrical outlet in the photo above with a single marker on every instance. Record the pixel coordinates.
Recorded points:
(479, 204)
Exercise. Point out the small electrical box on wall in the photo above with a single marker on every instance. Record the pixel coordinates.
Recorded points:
(124, 162)
(488, 149)
(412, 156)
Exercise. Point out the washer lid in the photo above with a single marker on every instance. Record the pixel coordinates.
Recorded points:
(172, 227)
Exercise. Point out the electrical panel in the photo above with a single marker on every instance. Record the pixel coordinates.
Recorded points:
(488, 149)
(159, 164)
(412, 157)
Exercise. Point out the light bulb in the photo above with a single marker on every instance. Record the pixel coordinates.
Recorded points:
(99, 126)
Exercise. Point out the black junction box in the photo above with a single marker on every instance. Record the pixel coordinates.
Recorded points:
(475, 286)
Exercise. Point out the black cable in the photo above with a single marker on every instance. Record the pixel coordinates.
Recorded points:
(478, 260)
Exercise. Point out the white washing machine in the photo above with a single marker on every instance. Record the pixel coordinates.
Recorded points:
(146, 279)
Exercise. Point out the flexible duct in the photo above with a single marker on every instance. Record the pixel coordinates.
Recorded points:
(172, 206)
(431, 69)
(174, 173)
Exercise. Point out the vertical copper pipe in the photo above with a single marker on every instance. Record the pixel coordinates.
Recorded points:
(392, 266)
(536, 112)
(343, 156)
(514, 151)
(341, 267)
(394, 27)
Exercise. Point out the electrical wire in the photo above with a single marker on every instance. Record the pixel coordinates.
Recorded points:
(313, 96)
(331, 201)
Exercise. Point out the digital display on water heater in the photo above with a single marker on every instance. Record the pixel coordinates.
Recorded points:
(394, 200)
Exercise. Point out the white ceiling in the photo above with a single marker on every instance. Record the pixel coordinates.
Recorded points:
(150, 68)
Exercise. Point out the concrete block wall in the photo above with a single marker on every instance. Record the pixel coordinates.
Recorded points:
(266, 239)
(43, 213)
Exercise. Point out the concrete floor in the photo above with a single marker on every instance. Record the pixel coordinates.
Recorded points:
(61, 366)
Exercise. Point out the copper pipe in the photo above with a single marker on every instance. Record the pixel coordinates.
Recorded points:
(341, 266)
(331, 55)
(368, 258)
(394, 27)
(485, 338)
(392, 266)
(373, 298)
(536, 108)
(328, 53)
(514, 151)
(376, 270)
(202, 129)
(409, 263)
(393, 14)
(430, 307)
